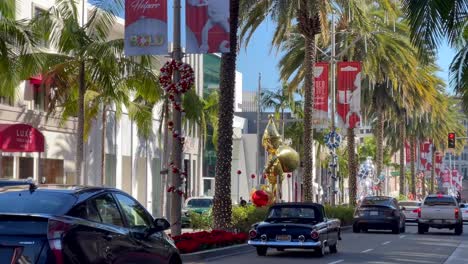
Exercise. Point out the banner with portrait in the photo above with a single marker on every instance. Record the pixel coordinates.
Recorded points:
(349, 94)
(321, 72)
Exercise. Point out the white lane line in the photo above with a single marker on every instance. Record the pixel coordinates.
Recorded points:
(386, 243)
(336, 262)
(367, 250)
(402, 236)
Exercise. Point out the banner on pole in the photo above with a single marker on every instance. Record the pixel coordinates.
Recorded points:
(207, 28)
(439, 158)
(425, 155)
(145, 27)
(407, 152)
(321, 72)
(349, 94)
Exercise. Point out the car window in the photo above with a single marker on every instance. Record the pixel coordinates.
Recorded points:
(443, 200)
(376, 201)
(37, 202)
(86, 211)
(410, 203)
(200, 203)
(108, 210)
(134, 213)
(292, 212)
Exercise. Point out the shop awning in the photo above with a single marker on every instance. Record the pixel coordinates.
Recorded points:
(36, 80)
(20, 138)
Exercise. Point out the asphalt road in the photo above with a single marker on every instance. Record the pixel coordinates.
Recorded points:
(373, 248)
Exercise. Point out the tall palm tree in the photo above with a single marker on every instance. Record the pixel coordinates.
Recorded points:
(222, 204)
(311, 21)
(76, 43)
(280, 100)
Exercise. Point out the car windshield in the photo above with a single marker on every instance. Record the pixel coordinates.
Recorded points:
(200, 203)
(379, 201)
(444, 200)
(292, 212)
(37, 202)
(410, 204)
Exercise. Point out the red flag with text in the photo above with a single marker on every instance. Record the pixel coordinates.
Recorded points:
(207, 28)
(349, 94)
(145, 27)
(321, 72)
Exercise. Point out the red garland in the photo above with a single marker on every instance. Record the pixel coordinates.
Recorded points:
(187, 79)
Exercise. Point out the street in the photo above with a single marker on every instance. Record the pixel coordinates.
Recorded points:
(373, 247)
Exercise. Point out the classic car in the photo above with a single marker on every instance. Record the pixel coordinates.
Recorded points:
(296, 225)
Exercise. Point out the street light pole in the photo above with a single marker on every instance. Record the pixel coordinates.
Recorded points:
(333, 92)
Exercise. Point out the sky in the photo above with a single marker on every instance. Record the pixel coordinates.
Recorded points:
(258, 58)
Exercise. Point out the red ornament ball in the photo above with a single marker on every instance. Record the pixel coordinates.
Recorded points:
(260, 198)
(239, 172)
(289, 175)
(252, 176)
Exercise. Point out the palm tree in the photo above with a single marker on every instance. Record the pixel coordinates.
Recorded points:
(222, 204)
(77, 45)
(16, 41)
(279, 100)
(311, 20)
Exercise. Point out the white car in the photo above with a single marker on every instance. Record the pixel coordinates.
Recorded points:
(440, 211)
(464, 211)
(410, 209)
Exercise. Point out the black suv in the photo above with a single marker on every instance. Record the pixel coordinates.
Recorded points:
(379, 212)
(75, 224)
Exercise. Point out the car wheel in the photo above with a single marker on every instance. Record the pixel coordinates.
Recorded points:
(396, 229)
(403, 229)
(459, 229)
(334, 248)
(356, 229)
(365, 230)
(262, 251)
(421, 229)
(175, 260)
(320, 252)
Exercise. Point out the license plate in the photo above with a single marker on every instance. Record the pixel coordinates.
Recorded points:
(283, 238)
(438, 221)
(374, 213)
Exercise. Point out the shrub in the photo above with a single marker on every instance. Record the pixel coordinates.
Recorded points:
(202, 221)
(344, 213)
(243, 217)
(192, 242)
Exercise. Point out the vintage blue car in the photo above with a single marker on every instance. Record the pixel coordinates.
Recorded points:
(296, 225)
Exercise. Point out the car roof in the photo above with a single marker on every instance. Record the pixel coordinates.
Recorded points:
(296, 204)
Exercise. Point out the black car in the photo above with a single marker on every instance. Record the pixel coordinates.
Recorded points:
(58, 224)
(296, 225)
(379, 212)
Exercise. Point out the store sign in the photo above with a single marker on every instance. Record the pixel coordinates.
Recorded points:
(349, 94)
(321, 71)
(20, 138)
(145, 27)
(207, 28)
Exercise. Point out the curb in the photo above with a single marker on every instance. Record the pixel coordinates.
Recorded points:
(217, 253)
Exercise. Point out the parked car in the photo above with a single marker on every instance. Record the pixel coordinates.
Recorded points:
(197, 205)
(379, 212)
(410, 209)
(57, 224)
(440, 211)
(464, 210)
(296, 225)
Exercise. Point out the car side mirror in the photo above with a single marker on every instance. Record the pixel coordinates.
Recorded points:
(161, 224)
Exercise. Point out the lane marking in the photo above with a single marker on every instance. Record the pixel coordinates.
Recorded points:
(367, 250)
(336, 262)
(402, 236)
(386, 243)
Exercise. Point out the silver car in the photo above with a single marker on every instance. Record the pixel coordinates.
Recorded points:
(410, 209)
(464, 211)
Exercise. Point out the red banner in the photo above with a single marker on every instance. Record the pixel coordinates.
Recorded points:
(439, 158)
(321, 71)
(207, 28)
(407, 152)
(349, 94)
(145, 27)
(425, 155)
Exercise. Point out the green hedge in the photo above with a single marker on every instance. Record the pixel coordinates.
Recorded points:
(243, 217)
(344, 213)
(202, 221)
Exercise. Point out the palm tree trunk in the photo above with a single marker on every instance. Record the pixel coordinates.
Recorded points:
(80, 129)
(103, 144)
(222, 204)
(402, 155)
(307, 28)
(413, 167)
(432, 171)
(379, 137)
(352, 167)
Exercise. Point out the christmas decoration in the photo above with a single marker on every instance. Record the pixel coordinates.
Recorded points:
(333, 140)
(187, 79)
(260, 198)
(239, 172)
(252, 176)
(289, 175)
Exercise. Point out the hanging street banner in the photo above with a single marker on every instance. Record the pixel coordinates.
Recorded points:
(320, 118)
(349, 94)
(425, 155)
(145, 27)
(439, 158)
(207, 28)
(407, 152)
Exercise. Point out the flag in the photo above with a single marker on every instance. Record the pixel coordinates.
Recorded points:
(425, 155)
(349, 94)
(145, 27)
(321, 71)
(207, 28)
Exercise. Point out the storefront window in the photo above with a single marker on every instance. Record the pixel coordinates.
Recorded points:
(7, 167)
(26, 167)
(52, 171)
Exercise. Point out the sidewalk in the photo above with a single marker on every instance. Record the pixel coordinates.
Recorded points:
(460, 255)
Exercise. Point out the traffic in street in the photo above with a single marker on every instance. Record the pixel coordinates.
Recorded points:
(373, 247)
